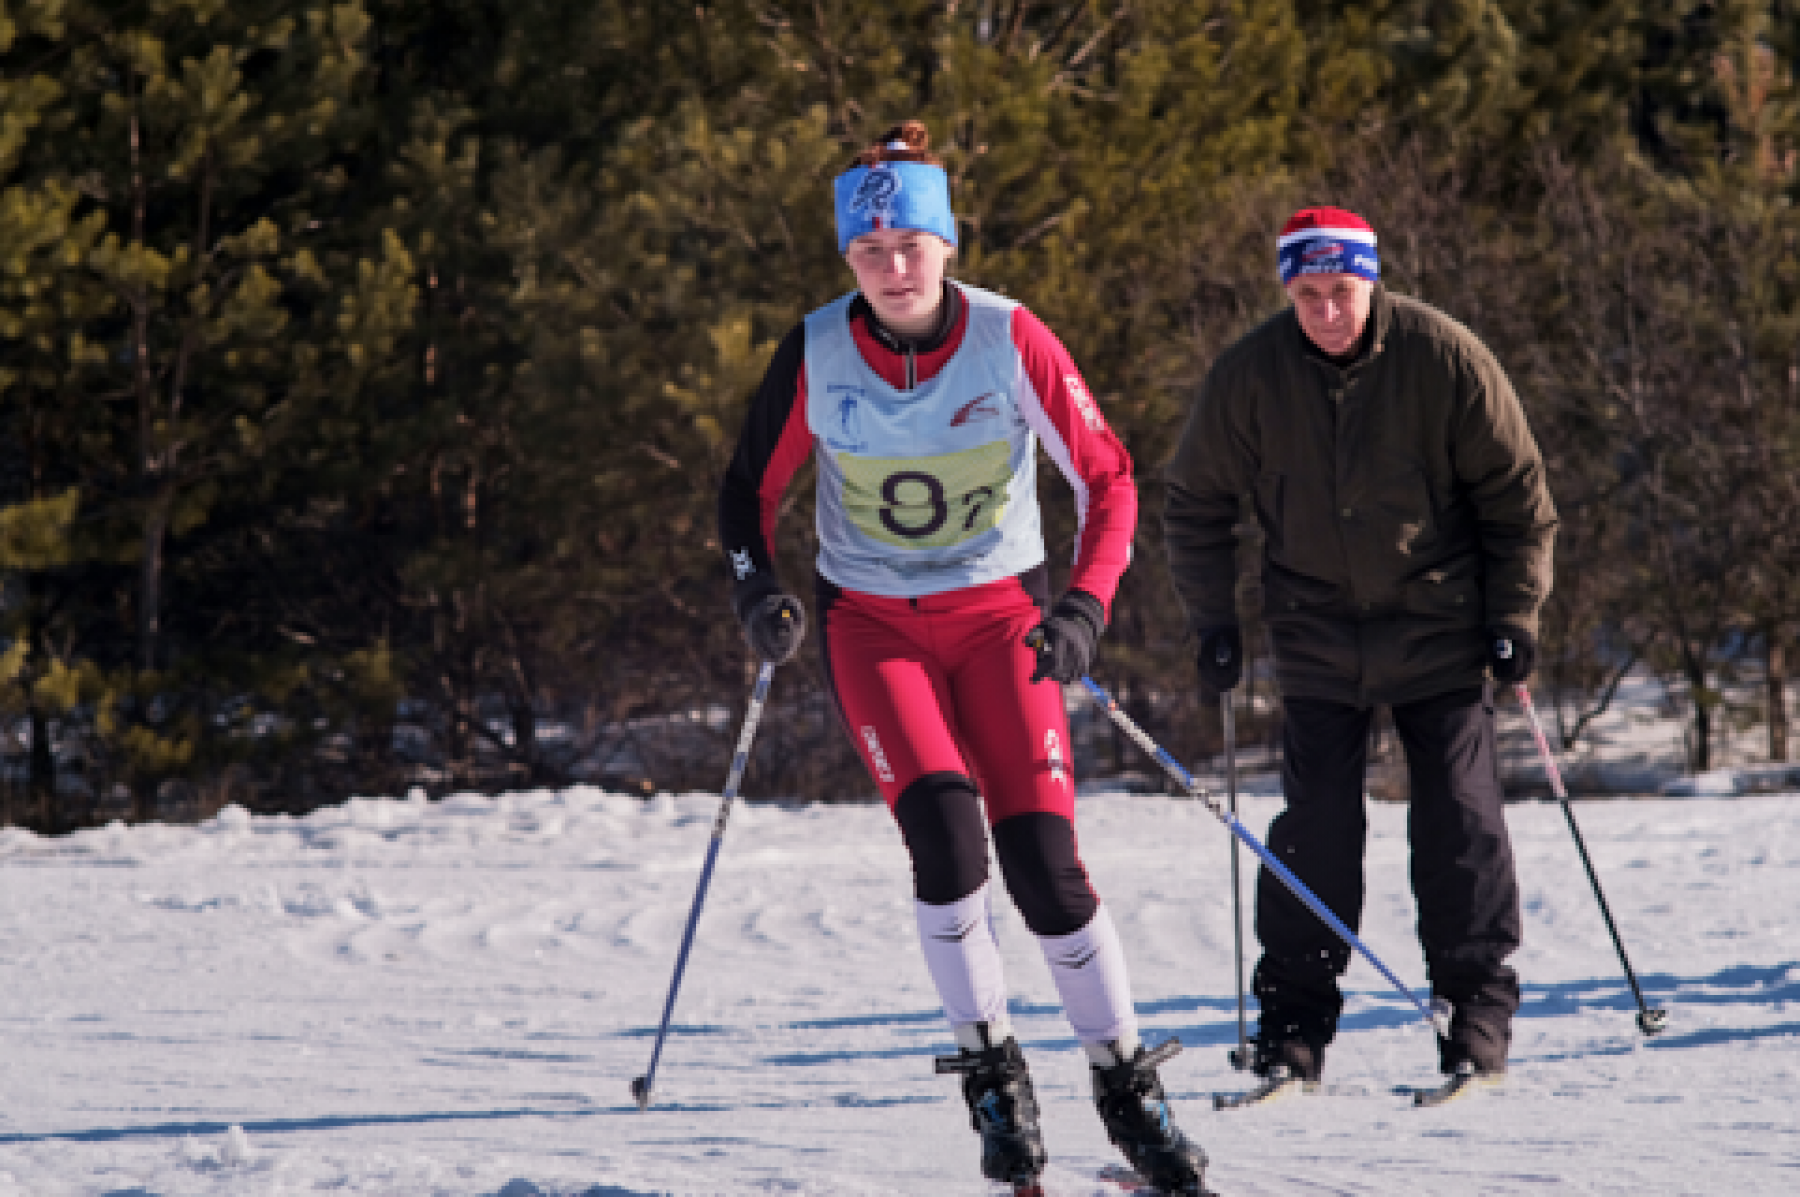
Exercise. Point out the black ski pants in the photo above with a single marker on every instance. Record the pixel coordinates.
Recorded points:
(1463, 877)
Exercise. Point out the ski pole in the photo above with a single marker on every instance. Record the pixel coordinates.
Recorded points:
(640, 1088)
(1240, 1059)
(1282, 872)
(1649, 1020)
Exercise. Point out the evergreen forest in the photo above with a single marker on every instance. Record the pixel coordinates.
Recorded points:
(368, 368)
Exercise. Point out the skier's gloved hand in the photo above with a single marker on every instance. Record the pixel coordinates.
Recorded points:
(775, 627)
(1511, 654)
(1220, 661)
(774, 621)
(1065, 641)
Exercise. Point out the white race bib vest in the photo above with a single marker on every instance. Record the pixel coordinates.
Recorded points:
(927, 490)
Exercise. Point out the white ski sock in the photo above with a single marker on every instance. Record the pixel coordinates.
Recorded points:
(979, 1036)
(964, 960)
(1113, 1051)
(1088, 967)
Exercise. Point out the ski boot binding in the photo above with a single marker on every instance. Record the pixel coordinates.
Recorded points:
(1002, 1108)
(1132, 1105)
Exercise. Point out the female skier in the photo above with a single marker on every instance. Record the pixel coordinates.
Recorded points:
(924, 401)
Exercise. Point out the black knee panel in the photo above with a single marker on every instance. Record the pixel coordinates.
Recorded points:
(1043, 874)
(940, 819)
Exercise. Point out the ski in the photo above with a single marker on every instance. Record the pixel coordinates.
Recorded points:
(1271, 1090)
(1279, 1084)
(1464, 1081)
(1022, 1188)
(1460, 1084)
(1127, 1180)
(1114, 1177)
(1284, 1084)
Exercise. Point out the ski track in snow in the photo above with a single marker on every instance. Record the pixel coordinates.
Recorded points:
(401, 997)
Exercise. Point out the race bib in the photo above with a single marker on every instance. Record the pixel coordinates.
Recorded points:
(927, 502)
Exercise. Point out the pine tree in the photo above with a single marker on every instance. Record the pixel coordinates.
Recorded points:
(468, 539)
(168, 164)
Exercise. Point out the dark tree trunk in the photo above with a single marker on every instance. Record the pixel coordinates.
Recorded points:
(40, 778)
(1702, 744)
(1776, 682)
(40, 769)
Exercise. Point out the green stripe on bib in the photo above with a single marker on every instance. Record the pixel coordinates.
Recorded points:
(927, 502)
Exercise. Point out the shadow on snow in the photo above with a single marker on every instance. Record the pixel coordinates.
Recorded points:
(1738, 985)
(276, 1126)
(288, 1126)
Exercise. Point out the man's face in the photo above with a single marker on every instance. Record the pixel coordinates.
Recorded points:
(1333, 308)
(901, 273)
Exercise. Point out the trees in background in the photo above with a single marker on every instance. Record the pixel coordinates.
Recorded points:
(169, 328)
(370, 366)
(1671, 410)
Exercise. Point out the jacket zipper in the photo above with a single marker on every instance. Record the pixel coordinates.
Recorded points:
(912, 372)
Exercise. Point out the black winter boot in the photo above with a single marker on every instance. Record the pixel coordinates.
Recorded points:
(1480, 1033)
(1300, 1003)
(1292, 1055)
(1130, 1098)
(1002, 1108)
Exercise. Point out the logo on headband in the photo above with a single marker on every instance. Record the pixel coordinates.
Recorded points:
(877, 190)
(1329, 249)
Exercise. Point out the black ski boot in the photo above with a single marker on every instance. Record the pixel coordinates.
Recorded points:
(1294, 1036)
(1297, 1058)
(1130, 1098)
(1002, 1108)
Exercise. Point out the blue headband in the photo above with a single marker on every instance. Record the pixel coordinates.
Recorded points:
(893, 195)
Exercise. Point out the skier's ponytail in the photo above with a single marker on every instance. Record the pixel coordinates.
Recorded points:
(909, 141)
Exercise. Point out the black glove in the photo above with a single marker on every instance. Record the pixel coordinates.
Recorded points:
(774, 621)
(775, 627)
(1511, 654)
(1065, 642)
(1220, 661)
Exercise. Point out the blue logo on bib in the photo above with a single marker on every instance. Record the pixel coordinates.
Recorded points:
(846, 432)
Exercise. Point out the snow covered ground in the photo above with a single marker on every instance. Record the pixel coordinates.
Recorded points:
(401, 997)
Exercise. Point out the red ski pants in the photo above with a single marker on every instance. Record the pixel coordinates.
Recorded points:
(939, 684)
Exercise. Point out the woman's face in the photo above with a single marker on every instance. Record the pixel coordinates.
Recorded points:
(901, 273)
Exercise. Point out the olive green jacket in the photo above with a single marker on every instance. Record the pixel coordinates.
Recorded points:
(1402, 497)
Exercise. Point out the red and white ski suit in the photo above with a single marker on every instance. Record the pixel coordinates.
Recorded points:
(931, 573)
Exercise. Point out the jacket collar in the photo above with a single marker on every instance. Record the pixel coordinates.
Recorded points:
(948, 313)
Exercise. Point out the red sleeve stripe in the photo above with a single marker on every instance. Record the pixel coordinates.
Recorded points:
(1059, 408)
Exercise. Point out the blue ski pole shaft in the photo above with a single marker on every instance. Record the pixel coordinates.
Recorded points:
(641, 1087)
(1286, 876)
